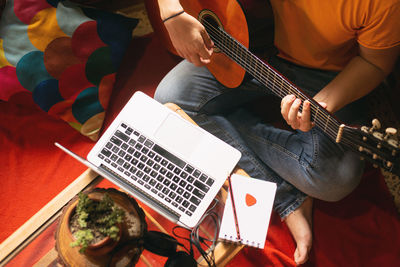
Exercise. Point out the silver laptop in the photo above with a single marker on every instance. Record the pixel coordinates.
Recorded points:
(170, 164)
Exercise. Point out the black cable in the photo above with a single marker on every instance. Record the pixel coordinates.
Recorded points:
(195, 240)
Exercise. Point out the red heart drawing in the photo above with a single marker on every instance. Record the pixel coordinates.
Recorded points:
(250, 200)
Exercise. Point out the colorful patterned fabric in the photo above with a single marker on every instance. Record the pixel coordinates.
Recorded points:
(64, 57)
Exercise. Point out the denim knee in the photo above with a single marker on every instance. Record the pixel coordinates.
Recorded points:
(170, 89)
(338, 181)
(186, 86)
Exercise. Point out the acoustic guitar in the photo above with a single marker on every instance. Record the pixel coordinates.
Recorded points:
(227, 23)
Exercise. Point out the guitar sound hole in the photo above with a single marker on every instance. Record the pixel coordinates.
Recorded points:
(211, 23)
(211, 20)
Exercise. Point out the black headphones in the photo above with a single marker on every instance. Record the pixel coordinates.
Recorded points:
(166, 246)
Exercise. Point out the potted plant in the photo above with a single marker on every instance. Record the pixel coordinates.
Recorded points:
(95, 224)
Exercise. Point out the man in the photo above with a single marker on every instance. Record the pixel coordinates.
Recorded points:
(335, 51)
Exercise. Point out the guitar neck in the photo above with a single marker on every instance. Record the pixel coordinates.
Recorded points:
(267, 76)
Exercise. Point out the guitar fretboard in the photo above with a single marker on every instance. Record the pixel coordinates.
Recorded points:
(267, 76)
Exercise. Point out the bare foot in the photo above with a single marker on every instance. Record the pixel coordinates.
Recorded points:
(299, 223)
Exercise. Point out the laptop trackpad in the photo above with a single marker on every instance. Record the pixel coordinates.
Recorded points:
(177, 135)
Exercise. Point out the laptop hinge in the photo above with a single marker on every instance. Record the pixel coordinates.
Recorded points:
(141, 194)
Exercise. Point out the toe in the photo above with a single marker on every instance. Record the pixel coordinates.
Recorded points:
(301, 254)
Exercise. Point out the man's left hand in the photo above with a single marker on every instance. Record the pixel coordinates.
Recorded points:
(290, 107)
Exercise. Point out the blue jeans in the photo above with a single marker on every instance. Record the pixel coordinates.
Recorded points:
(300, 163)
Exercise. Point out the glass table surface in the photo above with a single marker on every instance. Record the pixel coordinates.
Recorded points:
(33, 244)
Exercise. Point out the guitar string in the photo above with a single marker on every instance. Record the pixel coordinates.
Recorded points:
(266, 82)
(331, 131)
(227, 41)
(350, 138)
(230, 40)
(318, 119)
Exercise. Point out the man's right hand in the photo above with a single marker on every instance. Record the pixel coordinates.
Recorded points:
(190, 39)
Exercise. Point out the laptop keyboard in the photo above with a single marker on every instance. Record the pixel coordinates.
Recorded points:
(155, 170)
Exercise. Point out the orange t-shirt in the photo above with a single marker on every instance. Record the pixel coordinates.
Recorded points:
(324, 34)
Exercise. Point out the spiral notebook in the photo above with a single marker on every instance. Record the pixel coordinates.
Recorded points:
(253, 202)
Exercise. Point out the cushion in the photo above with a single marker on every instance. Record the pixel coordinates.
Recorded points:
(63, 58)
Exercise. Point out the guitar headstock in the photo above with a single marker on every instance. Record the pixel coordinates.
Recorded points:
(381, 147)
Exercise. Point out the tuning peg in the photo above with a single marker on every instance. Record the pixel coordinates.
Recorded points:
(390, 132)
(376, 124)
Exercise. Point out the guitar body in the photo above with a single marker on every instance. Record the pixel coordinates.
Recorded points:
(230, 15)
(248, 21)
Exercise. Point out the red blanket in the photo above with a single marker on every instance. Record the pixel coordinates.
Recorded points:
(361, 230)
